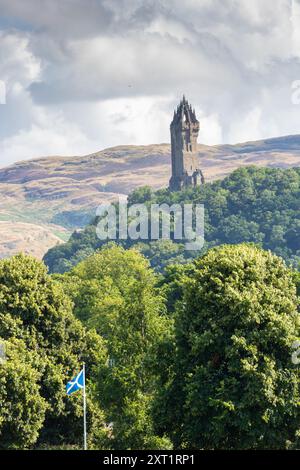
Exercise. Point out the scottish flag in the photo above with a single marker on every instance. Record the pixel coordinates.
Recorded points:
(76, 384)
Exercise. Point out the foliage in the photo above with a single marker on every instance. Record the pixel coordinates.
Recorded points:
(114, 291)
(258, 205)
(233, 384)
(35, 310)
(22, 406)
(171, 284)
(140, 195)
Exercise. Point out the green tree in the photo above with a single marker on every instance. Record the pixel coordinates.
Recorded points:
(162, 253)
(140, 195)
(114, 291)
(22, 408)
(234, 384)
(257, 205)
(171, 284)
(34, 309)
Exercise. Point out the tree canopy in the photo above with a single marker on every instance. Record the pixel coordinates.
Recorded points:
(115, 291)
(258, 205)
(22, 406)
(35, 311)
(233, 384)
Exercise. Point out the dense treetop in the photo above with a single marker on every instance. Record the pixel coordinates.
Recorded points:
(259, 205)
(115, 291)
(232, 383)
(45, 346)
(183, 349)
(199, 357)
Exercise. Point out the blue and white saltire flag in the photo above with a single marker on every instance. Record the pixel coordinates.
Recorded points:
(76, 384)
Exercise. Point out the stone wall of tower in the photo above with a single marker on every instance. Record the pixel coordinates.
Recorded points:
(185, 161)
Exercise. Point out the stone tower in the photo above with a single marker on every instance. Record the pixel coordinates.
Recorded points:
(185, 161)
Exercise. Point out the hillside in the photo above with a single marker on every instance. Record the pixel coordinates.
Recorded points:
(30, 238)
(57, 194)
(254, 205)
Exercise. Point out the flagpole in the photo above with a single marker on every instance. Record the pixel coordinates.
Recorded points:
(84, 411)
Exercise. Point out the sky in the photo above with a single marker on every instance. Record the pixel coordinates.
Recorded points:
(83, 75)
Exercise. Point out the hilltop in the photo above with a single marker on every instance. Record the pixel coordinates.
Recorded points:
(252, 205)
(54, 195)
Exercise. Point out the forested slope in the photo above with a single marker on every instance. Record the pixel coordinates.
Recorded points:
(259, 205)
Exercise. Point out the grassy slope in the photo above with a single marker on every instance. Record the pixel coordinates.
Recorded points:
(58, 193)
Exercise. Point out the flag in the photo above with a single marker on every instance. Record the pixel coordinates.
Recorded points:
(76, 384)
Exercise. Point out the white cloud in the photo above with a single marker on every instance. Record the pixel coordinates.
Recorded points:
(114, 71)
(17, 63)
(251, 123)
(2, 92)
(210, 129)
(55, 137)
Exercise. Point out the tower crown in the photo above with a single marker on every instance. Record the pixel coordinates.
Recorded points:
(184, 113)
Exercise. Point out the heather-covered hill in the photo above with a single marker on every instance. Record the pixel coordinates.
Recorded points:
(254, 205)
(61, 193)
